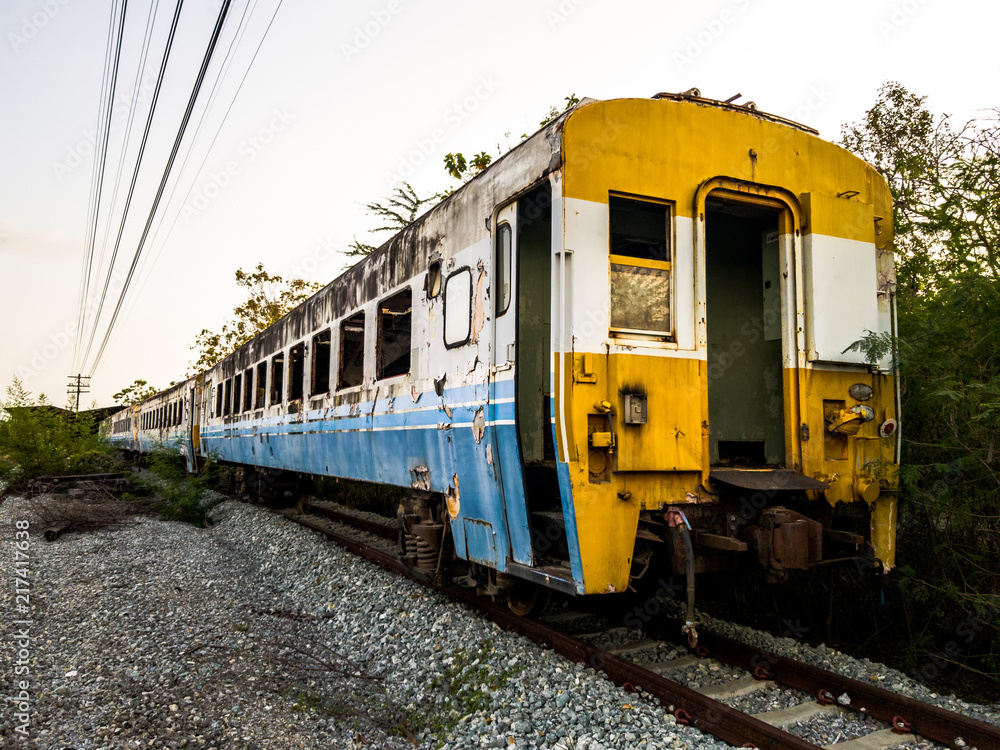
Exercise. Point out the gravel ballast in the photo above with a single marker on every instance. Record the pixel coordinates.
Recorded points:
(160, 634)
(258, 633)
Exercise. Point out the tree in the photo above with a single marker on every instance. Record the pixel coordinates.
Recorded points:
(398, 211)
(945, 181)
(135, 393)
(270, 297)
(37, 439)
(457, 166)
(571, 101)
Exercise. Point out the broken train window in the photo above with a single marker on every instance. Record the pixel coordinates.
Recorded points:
(394, 319)
(296, 370)
(321, 363)
(352, 351)
(640, 265)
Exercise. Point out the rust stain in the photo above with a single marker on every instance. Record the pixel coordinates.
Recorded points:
(479, 425)
(421, 478)
(452, 498)
(447, 410)
(479, 313)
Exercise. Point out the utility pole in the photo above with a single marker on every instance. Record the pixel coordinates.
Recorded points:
(78, 384)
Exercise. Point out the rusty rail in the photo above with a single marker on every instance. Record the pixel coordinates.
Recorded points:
(934, 723)
(704, 713)
(372, 527)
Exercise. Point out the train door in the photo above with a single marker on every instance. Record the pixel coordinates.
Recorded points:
(744, 313)
(523, 347)
(507, 462)
(191, 438)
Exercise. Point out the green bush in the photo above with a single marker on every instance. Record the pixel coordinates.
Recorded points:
(37, 439)
(178, 495)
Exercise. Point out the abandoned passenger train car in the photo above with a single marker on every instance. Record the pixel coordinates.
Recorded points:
(630, 335)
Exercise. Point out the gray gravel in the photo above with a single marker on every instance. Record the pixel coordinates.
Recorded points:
(163, 635)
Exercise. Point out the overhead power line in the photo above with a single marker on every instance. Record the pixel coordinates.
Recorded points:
(104, 115)
(135, 174)
(206, 60)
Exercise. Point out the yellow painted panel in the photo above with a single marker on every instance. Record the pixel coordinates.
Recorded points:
(666, 149)
(837, 217)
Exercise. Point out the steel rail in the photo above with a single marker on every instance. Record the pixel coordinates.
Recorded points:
(372, 527)
(706, 714)
(932, 722)
(703, 713)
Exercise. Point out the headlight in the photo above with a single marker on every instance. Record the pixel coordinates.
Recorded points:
(860, 391)
(867, 413)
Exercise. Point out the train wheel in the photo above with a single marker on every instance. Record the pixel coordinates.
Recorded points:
(528, 599)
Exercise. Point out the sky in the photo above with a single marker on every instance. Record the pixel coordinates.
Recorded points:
(311, 109)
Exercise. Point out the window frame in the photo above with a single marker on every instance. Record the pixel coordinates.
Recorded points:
(379, 365)
(509, 267)
(277, 391)
(248, 391)
(260, 386)
(340, 349)
(627, 260)
(237, 393)
(444, 300)
(314, 368)
(290, 368)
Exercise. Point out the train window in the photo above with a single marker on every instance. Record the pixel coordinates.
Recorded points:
(296, 370)
(433, 283)
(458, 308)
(502, 272)
(261, 385)
(394, 316)
(228, 402)
(640, 266)
(248, 389)
(352, 351)
(218, 401)
(277, 378)
(321, 363)
(237, 393)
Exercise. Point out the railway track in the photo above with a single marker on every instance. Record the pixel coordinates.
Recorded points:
(703, 707)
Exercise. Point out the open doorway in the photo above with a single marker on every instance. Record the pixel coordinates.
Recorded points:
(745, 391)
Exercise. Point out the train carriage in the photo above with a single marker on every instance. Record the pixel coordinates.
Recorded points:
(629, 337)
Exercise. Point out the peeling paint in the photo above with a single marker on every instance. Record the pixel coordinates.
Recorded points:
(414, 393)
(452, 498)
(479, 425)
(479, 311)
(489, 454)
(447, 410)
(390, 405)
(421, 478)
